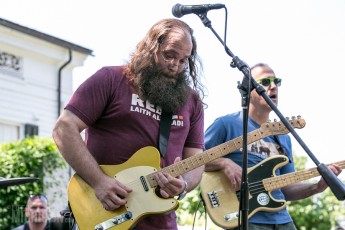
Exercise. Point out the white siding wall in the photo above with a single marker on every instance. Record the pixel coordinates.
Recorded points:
(8, 132)
(31, 96)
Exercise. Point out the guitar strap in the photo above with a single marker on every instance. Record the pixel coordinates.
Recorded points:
(164, 131)
(280, 148)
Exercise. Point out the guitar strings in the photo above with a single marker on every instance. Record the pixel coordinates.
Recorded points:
(258, 187)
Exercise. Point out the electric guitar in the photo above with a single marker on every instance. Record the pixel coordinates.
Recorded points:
(138, 173)
(222, 201)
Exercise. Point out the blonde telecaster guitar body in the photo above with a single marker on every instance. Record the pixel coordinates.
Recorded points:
(143, 200)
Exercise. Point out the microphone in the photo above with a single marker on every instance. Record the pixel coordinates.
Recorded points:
(179, 10)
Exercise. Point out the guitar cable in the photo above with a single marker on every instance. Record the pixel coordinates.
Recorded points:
(197, 207)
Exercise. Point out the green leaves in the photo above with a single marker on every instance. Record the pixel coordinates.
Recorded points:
(29, 157)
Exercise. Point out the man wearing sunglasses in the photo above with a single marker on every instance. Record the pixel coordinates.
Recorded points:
(36, 212)
(229, 127)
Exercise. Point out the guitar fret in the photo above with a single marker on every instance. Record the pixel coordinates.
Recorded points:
(223, 149)
(232, 145)
(289, 178)
(170, 170)
(237, 142)
(179, 169)
(254, 137)
(201, 160)
(193, 164)
(229, 147)
(185, 165)
(208, 156)
(211, 154)
(271, 184)
(151, 180)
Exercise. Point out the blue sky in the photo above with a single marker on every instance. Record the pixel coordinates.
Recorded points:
(303, 41)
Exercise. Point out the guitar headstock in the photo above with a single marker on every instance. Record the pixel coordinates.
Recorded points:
(278, 128)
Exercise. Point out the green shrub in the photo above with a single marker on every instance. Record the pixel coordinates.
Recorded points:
(30, 157)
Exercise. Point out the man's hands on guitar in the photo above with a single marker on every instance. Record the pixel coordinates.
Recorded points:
(170, 186)
(233, 172)
(111, 193)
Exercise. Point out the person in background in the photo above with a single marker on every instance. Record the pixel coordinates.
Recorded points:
(120, 108)
(228, 127)
(36, 212)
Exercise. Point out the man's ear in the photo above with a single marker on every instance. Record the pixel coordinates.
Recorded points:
(26, 210)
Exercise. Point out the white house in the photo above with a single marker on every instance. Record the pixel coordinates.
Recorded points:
(35, 83)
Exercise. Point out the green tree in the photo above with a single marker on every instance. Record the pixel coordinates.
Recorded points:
(323, 209)
(29, 157)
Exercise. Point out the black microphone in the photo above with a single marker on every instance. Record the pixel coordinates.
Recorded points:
(179, 10)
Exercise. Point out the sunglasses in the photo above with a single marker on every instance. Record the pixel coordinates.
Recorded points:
(268, 81)
(39, 196)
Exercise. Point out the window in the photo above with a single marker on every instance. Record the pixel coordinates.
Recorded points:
(8, 133)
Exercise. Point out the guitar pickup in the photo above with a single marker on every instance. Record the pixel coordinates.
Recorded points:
(114, 221)
(143, 182)
(214, 200)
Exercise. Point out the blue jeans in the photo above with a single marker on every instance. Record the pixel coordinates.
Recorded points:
(287, 226)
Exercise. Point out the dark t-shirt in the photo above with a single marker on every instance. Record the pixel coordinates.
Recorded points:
(55, 223)
(120, 123)
(26, 227)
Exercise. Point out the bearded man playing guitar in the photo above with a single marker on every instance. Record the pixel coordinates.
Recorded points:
(120, 107)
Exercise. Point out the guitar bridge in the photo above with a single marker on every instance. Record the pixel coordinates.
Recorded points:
(214, 200)
(114, 221)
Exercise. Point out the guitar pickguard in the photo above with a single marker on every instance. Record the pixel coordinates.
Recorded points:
(260, 198)
(88, 210)
(226, 211)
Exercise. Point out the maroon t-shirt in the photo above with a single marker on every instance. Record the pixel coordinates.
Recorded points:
(120, 123)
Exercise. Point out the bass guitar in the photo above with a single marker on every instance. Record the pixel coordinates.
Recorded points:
(138, 173)
(222, 202)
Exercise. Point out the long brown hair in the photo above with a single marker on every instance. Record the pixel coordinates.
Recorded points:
(145, 53)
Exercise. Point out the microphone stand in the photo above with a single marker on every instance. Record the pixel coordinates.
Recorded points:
(337, 187)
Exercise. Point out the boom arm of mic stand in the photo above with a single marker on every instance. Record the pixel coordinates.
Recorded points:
(331, 179)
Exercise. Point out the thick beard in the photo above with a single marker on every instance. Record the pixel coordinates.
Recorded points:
(168, 92)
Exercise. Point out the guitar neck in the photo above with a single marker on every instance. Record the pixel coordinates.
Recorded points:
(273, 183)
(211, 154)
